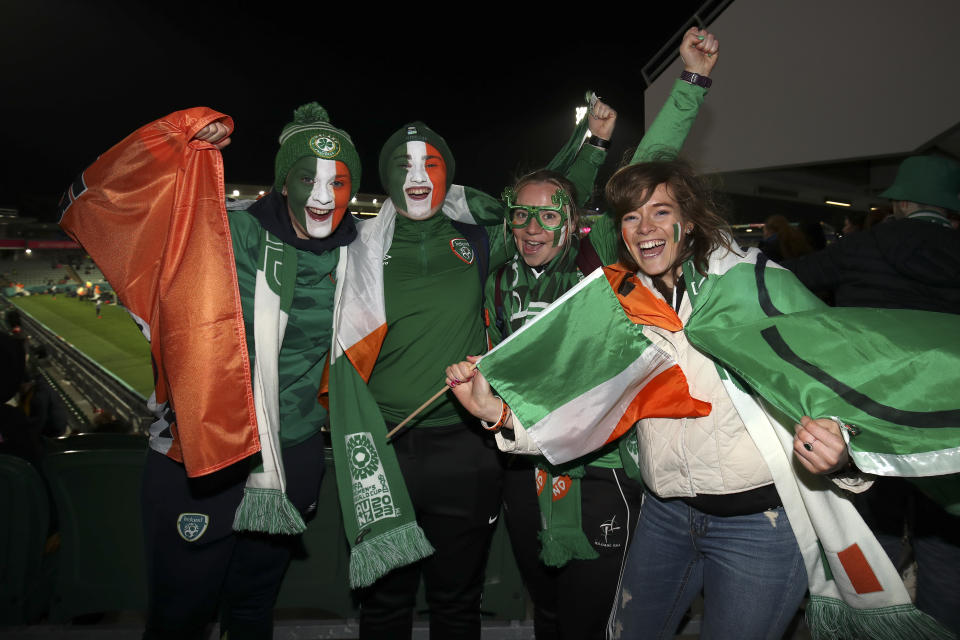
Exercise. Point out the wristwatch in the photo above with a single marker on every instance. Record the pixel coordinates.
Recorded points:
(696, 78)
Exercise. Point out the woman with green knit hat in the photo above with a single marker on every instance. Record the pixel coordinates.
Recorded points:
(236, 453)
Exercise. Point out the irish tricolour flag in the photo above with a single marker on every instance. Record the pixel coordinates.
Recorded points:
(583, 373)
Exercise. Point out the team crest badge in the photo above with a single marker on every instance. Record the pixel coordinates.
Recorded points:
(191, 526)
(462, 249)
(325, 146)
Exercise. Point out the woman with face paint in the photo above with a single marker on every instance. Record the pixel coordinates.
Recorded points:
(571, 528)
(236, 456)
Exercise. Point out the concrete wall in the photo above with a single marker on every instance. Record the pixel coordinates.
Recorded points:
(811, 81)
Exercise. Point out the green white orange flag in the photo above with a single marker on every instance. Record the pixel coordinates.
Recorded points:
(622, 377)
(891, 374)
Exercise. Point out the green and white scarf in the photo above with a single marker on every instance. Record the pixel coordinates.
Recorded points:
(265, 506)
(377, 512)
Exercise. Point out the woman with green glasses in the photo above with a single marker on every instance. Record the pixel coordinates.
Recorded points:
(570, 528)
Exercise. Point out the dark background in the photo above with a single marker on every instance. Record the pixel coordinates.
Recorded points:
(500, 85)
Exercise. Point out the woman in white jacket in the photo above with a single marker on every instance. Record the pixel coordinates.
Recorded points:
(712, 518)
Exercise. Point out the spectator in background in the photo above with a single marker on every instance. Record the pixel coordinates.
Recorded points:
(853, 222)
(909, 262)
(19, 433)
(781, 241)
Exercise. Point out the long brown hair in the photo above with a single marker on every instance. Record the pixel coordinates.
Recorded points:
(632, 186)
(791, 242)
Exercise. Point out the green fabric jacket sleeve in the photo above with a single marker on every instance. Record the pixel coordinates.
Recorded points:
(489, 212)
(583, 171)
(669, 129)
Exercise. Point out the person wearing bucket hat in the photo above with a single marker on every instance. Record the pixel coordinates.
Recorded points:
(909, 262)
(912, 261)
(236, 455)
(926, 188)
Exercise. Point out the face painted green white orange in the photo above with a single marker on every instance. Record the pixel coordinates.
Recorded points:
(318, 192)
(538, 216)
(418, 180)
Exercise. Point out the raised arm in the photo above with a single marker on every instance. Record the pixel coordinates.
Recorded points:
(582, 172)
(666, 135)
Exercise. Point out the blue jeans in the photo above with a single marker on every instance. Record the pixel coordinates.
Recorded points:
(749, 567)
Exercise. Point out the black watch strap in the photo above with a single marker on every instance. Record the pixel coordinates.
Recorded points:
(696, 78)
(599, 142)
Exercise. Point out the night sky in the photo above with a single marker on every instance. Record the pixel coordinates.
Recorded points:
(79, 76)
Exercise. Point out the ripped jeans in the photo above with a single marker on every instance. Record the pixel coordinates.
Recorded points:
(749, 567)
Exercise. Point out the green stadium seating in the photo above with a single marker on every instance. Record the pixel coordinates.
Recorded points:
(25, 570)
(97, 496)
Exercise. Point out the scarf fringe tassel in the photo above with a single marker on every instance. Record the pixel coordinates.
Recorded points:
(268, 511)
(831, 619)
(372, 559)
(560, 545)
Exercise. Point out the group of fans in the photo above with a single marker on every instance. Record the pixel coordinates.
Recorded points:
(253, 313)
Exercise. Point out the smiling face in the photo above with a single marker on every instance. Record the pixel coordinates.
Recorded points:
(418, 180)
(318, 192)
(538, 246)
(654, 234)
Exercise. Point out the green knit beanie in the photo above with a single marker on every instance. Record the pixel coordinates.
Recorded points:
(311, 134)
(416, 132)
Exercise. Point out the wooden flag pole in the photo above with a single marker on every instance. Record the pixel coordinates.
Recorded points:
(413, 415)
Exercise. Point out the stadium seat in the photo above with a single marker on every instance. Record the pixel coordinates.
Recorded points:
(25, 570)
(97, 496)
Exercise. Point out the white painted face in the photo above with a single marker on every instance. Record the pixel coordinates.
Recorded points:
(424, 175)
(317, 191)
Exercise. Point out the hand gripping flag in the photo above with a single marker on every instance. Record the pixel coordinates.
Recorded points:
(765, 330)
(889, 374)
(582, 373)
(150, 211)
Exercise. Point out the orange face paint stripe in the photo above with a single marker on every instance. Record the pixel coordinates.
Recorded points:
(438, 176)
